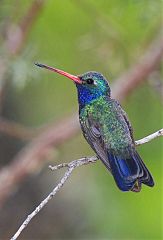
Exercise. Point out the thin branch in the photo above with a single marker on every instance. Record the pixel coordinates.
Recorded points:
(71, 166)
(150, 137)
(44, 202)
(75, 163)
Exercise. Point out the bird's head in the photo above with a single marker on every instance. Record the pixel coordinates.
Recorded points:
(90, 85)
(93, 86)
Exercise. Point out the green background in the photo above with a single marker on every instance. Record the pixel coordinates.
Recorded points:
(79, 36)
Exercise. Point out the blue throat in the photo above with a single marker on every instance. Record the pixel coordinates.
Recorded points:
(85, 96)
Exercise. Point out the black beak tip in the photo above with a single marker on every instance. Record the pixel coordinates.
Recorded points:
(39, 64)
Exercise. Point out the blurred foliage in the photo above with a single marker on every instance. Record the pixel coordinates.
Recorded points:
(78, 36)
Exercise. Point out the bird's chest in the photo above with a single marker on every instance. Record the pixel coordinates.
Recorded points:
(105, 122)
(99, 112)
(94, 118)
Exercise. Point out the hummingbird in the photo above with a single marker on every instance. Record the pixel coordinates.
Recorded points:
(108, 131)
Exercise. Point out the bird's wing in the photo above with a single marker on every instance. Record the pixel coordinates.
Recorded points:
(136, 168)
(91, 129)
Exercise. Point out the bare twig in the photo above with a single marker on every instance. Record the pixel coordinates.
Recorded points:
(71, 166)
(150, 137)
(75, 163)
(44, 202)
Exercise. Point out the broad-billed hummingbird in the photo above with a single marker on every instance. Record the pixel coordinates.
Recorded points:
(107, 129)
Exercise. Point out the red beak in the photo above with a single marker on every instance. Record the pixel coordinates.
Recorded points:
(68, 75)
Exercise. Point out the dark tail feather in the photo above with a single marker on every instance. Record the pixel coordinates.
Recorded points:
(130, 173)
(146, 178)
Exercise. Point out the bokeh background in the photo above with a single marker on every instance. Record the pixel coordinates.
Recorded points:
(76, 36)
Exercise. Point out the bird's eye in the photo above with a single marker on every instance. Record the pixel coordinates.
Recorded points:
(90, 81)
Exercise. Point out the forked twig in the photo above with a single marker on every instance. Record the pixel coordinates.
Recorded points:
(70, 167)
